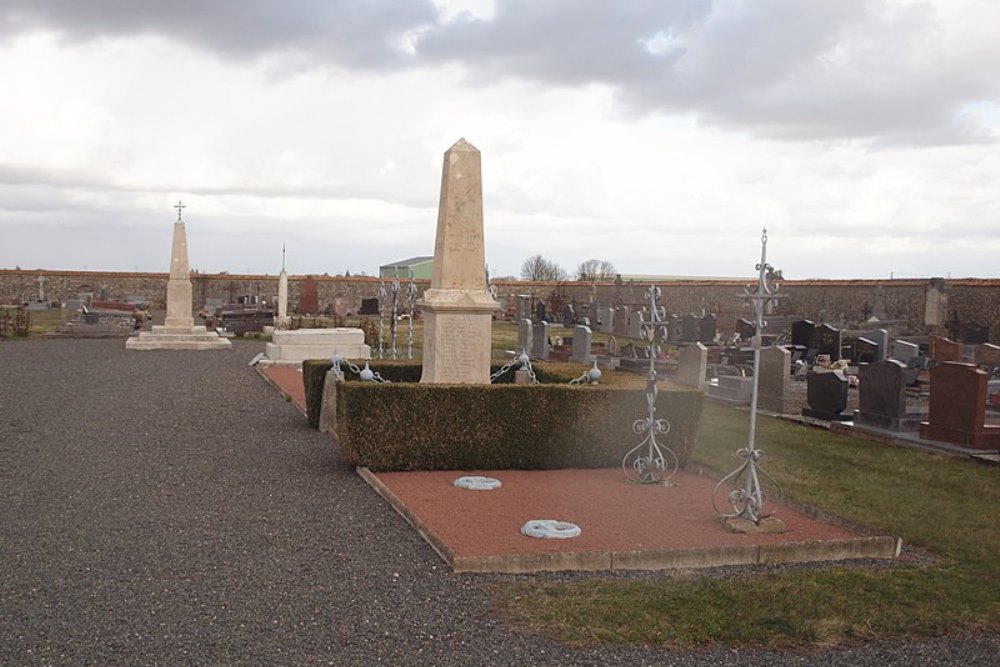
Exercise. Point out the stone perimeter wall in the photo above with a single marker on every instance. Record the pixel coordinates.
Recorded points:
(832, 301)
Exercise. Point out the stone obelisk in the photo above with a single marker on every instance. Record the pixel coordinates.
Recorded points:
(179, 284)
(281, 321)
(458, 309)
(178, 331)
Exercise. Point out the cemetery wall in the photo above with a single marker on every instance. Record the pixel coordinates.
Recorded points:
(832, 301)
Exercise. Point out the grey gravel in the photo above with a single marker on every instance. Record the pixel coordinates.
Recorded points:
(168, 508)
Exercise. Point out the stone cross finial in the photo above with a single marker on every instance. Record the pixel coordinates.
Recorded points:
(179, 206)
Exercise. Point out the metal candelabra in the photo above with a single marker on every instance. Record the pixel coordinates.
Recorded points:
(747, 498)
(650, 461)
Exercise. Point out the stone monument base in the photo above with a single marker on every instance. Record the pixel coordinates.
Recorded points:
(178, 338)
(457, 336)
(294, 347)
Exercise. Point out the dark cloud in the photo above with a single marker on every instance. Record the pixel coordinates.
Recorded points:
(359, 33)
(786, 69)
(894, 72)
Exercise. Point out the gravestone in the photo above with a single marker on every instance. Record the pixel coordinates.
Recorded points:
(524, 337)
(944, 349)
(690, 328)
(594, 315)
(540, 314)
(773, 384)
(746, 329)
(826, 394)
(731, 390)
(540, 340)
(881, 338)
(369, 307)
(634, 322)
(692, 361)
(608, 319)
(987, 355)
(827, 341)
(457, 308)
(864, 351)
(522, 307)
(957, 412)
(621, 322)
(904, 351)
(803, 333)
(976, 333)
(581, 345)
(707, 328)
(673, 328)
(882, 397)
(569, 316)
(612, 346)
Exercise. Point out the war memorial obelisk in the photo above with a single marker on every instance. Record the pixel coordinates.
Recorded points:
(457, 308)
(178, 331)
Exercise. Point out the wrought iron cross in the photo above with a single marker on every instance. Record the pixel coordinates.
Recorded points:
(747, 498)
(179, 206)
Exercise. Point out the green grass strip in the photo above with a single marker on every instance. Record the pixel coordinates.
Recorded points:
(946, 505)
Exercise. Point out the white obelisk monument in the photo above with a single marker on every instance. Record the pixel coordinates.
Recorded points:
(178, 331)
(281, 321)
(458, 309)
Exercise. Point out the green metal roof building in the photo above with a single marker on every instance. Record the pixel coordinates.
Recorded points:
(421, 268)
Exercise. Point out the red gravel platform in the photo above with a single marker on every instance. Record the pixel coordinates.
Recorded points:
(624, 525)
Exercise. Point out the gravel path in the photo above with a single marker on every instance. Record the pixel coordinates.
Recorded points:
(167, 508)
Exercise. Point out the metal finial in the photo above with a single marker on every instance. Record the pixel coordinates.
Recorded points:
(282, 256)
(179, 206)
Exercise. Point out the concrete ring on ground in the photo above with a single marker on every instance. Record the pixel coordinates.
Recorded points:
(477, 483)
(550, 529)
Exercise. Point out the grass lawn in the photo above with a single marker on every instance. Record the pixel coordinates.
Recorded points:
(948, 506)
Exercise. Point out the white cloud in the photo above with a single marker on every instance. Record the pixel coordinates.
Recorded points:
(659, 136)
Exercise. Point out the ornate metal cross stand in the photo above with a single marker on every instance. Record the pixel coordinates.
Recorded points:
(747, 499)
(650, 461)
(411, 303)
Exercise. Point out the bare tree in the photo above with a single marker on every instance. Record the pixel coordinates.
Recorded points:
(596, 269)
(537, 267)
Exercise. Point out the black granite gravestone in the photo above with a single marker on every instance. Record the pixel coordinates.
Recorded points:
(826, 394)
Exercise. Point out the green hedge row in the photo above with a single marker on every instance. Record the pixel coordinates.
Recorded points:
(406, 426)
(314, 375)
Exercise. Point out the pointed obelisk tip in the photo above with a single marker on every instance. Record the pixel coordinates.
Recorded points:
(463, 145)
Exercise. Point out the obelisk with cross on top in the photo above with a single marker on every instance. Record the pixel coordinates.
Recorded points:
(178, 331)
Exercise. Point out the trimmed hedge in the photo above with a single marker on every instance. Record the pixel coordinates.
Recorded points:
(527, 427)
(314, 375)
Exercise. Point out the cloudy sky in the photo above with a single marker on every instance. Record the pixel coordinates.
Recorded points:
(660, 135)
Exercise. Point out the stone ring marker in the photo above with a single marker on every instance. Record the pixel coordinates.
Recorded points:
(477, 483)
(550, 529)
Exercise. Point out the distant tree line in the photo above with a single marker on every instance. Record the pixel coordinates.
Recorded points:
(537, 267)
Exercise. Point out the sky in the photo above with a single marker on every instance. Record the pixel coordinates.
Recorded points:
(659, 135)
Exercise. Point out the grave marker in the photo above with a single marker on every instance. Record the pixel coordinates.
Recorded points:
(457, 308)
